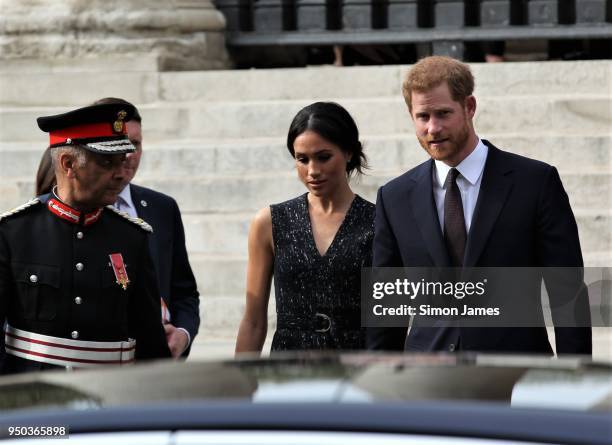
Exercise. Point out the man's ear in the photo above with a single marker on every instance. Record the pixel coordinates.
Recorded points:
(67, 164)
(470, 106)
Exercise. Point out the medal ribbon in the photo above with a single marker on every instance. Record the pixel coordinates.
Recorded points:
(119, 269)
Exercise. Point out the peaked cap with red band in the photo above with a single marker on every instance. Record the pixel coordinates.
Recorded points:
(97, 128)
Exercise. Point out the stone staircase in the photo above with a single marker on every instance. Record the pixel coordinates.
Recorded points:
(215, 141)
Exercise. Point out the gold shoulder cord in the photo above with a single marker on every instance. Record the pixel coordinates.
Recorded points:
(138, 221)
(19, 209)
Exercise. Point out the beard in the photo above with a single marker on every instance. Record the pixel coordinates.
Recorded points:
(453, 144)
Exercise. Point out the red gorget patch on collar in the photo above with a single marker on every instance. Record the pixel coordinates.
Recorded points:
(73, 215)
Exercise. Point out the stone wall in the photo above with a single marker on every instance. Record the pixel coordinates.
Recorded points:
(179, 34)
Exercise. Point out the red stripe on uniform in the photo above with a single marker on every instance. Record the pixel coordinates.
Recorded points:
(92, 217)
(84, 132)
(76, 348)
(67, 359)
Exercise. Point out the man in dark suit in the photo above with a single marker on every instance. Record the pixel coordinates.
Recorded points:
(177, 283)
(471, 205)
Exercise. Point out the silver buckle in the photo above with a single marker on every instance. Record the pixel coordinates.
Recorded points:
(326, 318)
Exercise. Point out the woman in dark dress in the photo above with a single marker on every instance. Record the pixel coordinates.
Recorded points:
(314, 245)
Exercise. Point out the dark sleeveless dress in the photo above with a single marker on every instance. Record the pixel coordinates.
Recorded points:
(318, 297)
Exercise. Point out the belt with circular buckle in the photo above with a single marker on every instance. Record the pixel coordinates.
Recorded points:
(324, 318)
(318, 322)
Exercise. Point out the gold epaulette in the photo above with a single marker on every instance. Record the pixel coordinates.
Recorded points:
(138, 221)
(19, 209)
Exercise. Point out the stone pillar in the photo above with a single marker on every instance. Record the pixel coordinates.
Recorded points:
(171, 34)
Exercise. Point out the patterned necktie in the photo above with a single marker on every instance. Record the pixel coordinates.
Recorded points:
(120, 204)
(455, 234)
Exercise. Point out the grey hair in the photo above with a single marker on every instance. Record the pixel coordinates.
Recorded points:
(77, 152)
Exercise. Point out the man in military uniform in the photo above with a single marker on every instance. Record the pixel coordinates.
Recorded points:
(77, 284)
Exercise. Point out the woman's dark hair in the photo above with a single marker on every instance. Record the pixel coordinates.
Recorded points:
(45, 176)
(332, 122)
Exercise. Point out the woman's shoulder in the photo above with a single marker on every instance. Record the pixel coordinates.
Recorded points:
(262, 219)
(288, 208)
(290, 203)
(364, 205)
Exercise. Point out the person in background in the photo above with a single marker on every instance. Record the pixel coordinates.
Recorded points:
(45, 175)
(314, 245)
(177, 284)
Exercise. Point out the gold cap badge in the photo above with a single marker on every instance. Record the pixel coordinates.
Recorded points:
(118, 124)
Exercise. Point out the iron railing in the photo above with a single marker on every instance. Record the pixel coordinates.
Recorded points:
(446, 24)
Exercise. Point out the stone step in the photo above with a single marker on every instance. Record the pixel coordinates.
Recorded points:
(210, 345)
(563, 114)
(323, 83)
(18, 160)
(214, 345)
(228, 233)
(247, 193)
(76, 89)
(225, 312)
(222, 275)
(220, 344)
(385, 152)
(598, 258)
(94, 69)
(72, 86)
(221, 318)
(225, 275)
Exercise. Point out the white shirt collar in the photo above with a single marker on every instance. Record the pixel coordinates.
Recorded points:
(126, 195)
(471, 168)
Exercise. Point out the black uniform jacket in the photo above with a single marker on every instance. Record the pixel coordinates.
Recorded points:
(71, 260)
(177, 284)
(522, 218)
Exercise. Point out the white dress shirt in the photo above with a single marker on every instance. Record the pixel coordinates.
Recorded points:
(468, 181)
(124, 202)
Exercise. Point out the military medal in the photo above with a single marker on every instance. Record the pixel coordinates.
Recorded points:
(119, 269)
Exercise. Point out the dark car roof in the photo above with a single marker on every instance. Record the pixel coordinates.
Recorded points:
(565, 400)
(340, 378)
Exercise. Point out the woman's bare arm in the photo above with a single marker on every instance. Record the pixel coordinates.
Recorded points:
(254, 324)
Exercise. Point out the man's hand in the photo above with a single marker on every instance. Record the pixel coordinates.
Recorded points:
(177, 340)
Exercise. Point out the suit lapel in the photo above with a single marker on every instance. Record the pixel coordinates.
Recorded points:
(494, 191)
(147, 213)
(137, 200)
(426, 215)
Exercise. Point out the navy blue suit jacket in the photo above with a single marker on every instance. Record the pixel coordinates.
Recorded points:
(522, 218)
(177, 284)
